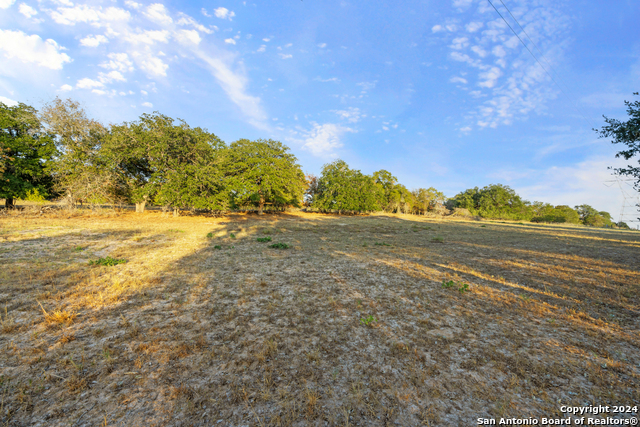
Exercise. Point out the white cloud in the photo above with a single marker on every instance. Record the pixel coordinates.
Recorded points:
(8, 102)
(27, 10)
(87, 14)
(88, 83)
(93, 41)
(322, 140)
(472, 27)
(147, 104)
(352, 115)
(66, 88)
(224, 13)
(285, 56)
(158, 14)
(154, 66)
(118, 61)
(32, 49)
(187, 20)
(462, 4)
(459, 43)
(457, 79)
(5, 4)
(111, 77)
(148, 37)
(132, 4)
(188, 37)
(230, 41)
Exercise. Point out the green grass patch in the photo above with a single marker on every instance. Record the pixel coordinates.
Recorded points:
(279, 246)
(108, 261)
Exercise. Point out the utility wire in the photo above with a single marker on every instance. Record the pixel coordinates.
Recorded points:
(534, 57)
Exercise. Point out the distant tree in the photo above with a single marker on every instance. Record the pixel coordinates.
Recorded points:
(343, 189)
(494, 201)
(26, 150)
(264, 172)
(428, 199)
(387, 194)
(79, 170)
(558, 214)
(168, 164)
(311, 190)
(626, 133)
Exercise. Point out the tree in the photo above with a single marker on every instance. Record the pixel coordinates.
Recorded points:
(428, 199)
(79, 170)
(26, 150)
(167, 163)
(264, 172)
(343, 189)
(626, 133)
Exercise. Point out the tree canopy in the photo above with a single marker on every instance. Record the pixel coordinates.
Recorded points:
(26, 150)
(263, 172)
(626, 133)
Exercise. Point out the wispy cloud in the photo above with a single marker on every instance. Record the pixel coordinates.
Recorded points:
(503, 71)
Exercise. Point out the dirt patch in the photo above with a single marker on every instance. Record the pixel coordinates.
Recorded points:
(378, 320)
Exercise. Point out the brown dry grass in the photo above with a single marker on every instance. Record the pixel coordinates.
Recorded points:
(186, 334)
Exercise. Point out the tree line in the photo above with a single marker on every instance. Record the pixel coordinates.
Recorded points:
(59, 152)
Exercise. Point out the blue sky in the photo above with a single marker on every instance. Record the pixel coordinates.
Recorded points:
(440, 93)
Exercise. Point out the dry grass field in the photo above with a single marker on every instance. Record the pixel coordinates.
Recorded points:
(362, 321)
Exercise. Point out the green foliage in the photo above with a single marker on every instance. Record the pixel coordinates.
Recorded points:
(279, 246)
(449, 284)
(626, 133)
(557, 214)
(461, 287)
(264, 172)
(464, 287)
(494, 201)
(108, 261)
(263, 239)
(343, 189)
(168, 163)
(367, 321)
(26, 151)
(80, 168)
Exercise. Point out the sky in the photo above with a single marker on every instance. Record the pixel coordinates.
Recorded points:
(440, 93)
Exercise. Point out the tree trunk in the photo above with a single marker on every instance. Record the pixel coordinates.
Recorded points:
(140, 206)
(176, 212)
(261, 205)
(9, 203)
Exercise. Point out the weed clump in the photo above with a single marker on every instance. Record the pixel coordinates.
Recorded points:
(279, 246)
(108, 261)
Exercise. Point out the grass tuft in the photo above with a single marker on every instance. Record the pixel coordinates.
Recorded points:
(108, 261)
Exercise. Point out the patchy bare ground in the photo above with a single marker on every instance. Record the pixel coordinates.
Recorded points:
(362, 321)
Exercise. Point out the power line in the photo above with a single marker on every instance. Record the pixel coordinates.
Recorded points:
(534, 57)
